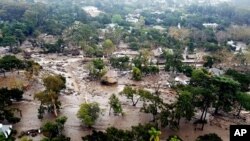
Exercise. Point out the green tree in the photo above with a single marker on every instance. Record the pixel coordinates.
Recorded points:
(97, 68)
(115, 104)
(209, 61)
(242, 78)
(227, 90)
(9, 41)
(171, 114)
(10, 62)
(116, 19)
(6, 111)
(137, 75)
(187, 70)
(108, 47)
(151, 102)
(184, 106)
(57, 47)
(49, 97)
(121, 63)
(174, 138)
(89, 113)
(244, 102)
(104, 18)
(115, 35)
(138, 133)
(54, 83)
(53, 130)
(131, 94)
(173, 61)
(203, 98)
(82, 32)
(154, 134)
(200, 77)
(48, 101)
(138, 62)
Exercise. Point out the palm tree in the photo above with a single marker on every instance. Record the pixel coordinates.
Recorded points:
(154, 134)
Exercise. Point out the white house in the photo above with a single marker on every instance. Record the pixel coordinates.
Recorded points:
(210, 25)
(92, 11)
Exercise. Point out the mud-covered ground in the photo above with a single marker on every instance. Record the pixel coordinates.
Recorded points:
(80, 89)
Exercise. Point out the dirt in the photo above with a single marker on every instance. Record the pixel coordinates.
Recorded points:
(187, 132)
(81, 90)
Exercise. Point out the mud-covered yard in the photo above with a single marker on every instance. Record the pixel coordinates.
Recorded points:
(80, 89)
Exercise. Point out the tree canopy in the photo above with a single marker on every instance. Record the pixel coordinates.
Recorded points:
(89, 113)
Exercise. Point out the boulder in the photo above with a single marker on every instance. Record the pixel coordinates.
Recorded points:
(110, 78)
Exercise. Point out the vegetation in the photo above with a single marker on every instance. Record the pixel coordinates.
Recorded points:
(97, 69)
(9, 62)
(6, 97)
(155, 37)
(121, 63)
(108, 47)
(209, 137)
(174, 138)
(173, 62)
(49, 97)
(154, 134)
(3, 138)
(115, 105)
(135, 95)
(243, 100)
(139, 133)
(137, 75)
(54, 130)
(89, 113)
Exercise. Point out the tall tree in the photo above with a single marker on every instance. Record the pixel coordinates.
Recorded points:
(203, 98)
(227, 90)
(6, 111)
(152, 102)
(49, 97)
(49, 101)
(184, 106)
(173, 61)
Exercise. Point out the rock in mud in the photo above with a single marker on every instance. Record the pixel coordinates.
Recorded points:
(110, 78)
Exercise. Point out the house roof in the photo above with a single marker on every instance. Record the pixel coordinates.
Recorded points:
(216, 71)
(191, 56)
(157, 52)
(126, 52)
(183, 79)
(5, 129)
